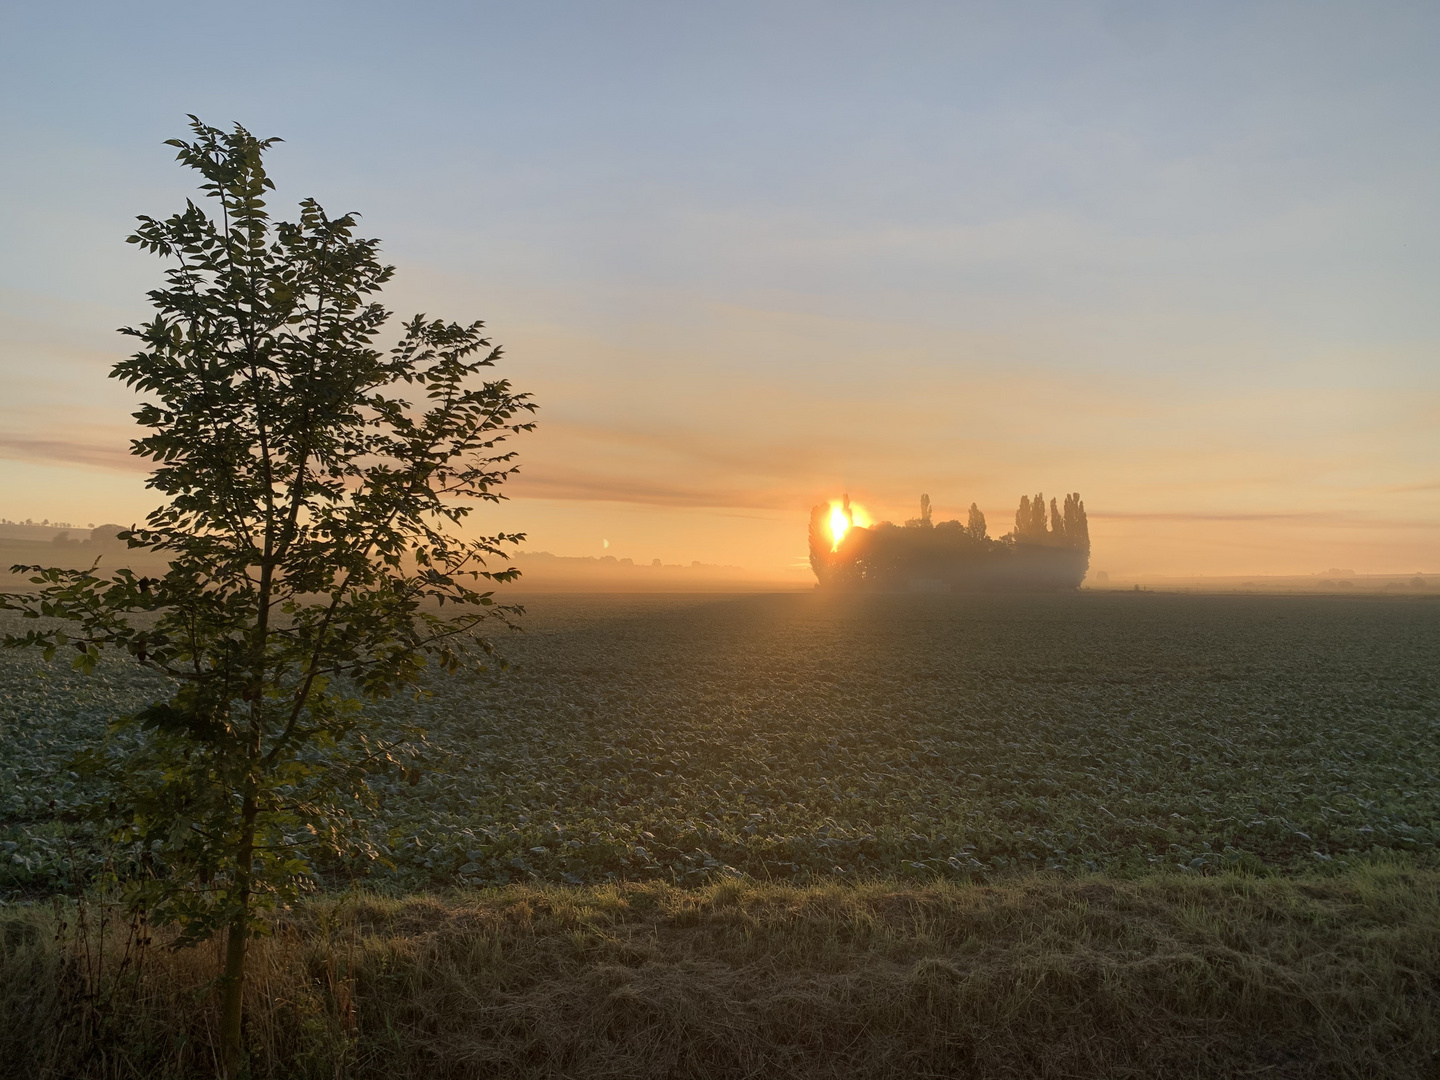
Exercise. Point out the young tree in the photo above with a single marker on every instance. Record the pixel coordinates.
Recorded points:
(311, 522)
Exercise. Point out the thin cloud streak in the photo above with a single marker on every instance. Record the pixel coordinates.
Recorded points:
(576, 486)
(1398, 489)
(68, 451)
(1320, 517)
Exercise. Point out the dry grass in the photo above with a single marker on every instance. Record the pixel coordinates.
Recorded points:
(1169, 975)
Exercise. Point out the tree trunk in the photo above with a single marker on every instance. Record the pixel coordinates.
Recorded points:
(233, 998)
(237, 938)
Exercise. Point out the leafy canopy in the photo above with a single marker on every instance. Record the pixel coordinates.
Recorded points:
(313, 487)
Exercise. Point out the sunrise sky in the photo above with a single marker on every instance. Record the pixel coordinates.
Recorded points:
(1182, 258)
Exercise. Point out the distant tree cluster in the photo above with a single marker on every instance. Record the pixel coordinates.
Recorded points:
(105, 536)
(1048, 548)
(46, 523)
(1067, 525)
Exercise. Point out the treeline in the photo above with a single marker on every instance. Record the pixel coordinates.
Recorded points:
(1067, 525)
(1048, 548)
(103, 536)
(45, 524)
(973, 526)
(1064, 524)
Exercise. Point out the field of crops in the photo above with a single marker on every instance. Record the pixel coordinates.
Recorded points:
(788, 736)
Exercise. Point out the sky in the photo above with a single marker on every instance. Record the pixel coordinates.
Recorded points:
(1181, 258)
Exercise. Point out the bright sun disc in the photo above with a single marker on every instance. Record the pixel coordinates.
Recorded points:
(845, 516)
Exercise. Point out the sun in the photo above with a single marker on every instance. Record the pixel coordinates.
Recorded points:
(844, 516)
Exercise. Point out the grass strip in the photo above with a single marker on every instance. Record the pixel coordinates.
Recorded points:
(1168, 975)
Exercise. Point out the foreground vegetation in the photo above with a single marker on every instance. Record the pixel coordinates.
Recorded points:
(1171, 975)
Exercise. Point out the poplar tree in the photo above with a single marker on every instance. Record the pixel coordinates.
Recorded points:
(314, 486)
(1030, 518)
(1037, 515)
(1077, 526)
(975, 526)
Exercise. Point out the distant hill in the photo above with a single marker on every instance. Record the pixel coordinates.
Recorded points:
(67, 548)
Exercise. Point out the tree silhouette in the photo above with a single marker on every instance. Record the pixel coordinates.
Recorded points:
(975, 527)
(1030, 518)
(820, 540)
(1077, 526)
(923, 521)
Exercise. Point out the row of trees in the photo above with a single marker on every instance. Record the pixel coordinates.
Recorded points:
(1045, 548)
(99, 537)
(1067, 525)
(974, 526)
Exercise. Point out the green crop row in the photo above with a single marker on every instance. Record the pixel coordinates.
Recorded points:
(795, 736)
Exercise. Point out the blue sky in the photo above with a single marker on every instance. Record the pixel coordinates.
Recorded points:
(1183, 258)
